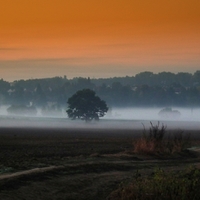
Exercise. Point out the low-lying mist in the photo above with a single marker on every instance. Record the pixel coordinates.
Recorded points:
(116, 118)
(185, 114)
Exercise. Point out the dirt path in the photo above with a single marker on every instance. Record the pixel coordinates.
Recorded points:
(29, 172)
(112, 160)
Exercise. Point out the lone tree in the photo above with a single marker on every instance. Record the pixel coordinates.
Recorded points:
(85, 105)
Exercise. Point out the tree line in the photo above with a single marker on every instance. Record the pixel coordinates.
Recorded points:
(144, 89)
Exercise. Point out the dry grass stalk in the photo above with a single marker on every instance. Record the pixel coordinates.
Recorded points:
(154, 141)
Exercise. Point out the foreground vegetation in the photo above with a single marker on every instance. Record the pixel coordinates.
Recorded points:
(157, 141)
(161, 184)
(93, 164)
(179, 185)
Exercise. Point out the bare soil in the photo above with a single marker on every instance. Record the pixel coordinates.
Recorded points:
(50, 163)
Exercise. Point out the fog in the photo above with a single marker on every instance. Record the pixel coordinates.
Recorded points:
(117, 118)
(189, 118)
(186, 114)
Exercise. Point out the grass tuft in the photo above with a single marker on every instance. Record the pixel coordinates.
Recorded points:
(155, 142)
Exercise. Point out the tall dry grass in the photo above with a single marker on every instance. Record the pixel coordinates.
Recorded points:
(156, 141)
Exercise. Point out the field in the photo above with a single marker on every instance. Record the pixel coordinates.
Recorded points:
(77, 163)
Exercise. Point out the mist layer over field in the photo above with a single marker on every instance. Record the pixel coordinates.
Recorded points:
(186, 114)
(116, 118)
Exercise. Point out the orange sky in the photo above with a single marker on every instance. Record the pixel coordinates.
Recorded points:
(45, 38)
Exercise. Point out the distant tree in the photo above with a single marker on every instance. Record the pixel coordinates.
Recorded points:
(168, 113)
(22, 110)
(196, 77)
(51, 109)
(183, 78)
(40, 97)
(85, 105)
(144, 78)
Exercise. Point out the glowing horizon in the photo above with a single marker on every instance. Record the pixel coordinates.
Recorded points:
(98, 38)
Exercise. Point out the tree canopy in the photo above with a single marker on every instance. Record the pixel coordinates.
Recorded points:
(85, 105)
(164, 89)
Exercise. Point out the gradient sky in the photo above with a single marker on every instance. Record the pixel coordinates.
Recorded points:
(105, 38)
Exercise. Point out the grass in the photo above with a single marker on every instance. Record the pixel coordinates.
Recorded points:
(177, 185)
(156, 142)
(90, 163)
(161, 185)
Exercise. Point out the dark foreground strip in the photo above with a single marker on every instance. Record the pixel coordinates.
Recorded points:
(15, 180)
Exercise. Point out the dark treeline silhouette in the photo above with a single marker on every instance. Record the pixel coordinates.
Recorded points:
(143, 89)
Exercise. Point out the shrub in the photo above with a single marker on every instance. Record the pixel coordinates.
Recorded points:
(168, 113)
(22, 110)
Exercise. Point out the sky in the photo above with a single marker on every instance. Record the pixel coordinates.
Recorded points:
(97, 39)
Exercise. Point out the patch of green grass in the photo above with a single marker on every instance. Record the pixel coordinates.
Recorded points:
(161, 185)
